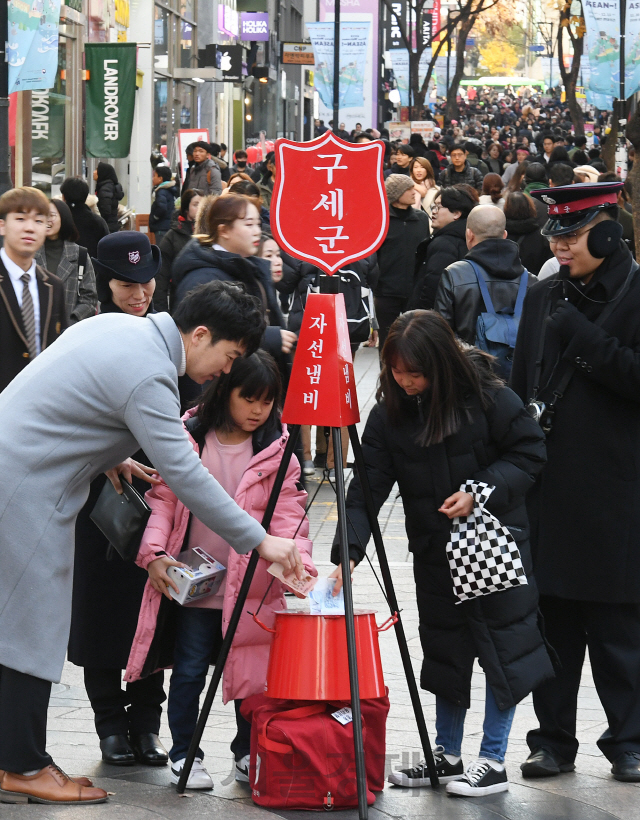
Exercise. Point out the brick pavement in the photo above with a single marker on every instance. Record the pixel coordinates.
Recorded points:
(141, 793)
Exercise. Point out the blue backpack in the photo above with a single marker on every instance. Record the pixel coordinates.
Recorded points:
(496, 332)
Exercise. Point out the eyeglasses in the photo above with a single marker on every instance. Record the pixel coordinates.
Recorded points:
(435, 208)
(569, 238)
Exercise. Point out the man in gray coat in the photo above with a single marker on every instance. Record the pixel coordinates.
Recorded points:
(108, 387)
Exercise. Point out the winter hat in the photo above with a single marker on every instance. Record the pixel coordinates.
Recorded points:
(588, 171)
(127, 256)
(395, 185)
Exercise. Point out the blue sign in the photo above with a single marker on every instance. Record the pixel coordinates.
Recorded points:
(537, 48)
(470, 42)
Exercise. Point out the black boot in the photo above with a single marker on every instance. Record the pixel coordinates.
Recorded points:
(148, 750)
(117, 751)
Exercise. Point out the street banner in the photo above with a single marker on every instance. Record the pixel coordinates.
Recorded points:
(354, 41)
(47, 124)
(400, 65)
(32, 44)
(110, 98)
(602, 46)
(323, 222)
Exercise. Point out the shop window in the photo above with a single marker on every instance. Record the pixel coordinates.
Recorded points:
(160, 89)
(161, 37)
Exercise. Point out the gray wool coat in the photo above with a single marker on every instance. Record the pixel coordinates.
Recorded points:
(106, 388)
(81, 299)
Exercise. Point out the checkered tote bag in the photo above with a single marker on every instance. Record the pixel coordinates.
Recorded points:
(483, 557)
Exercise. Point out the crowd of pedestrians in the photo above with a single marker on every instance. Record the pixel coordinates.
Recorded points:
(502, 302)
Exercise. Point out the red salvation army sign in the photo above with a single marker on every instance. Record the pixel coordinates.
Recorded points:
(329, 205)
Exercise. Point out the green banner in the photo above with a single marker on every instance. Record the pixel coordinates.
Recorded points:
(47, 124)
(110, 95)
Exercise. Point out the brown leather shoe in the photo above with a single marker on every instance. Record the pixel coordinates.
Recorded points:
(49, 785)
(82, 781)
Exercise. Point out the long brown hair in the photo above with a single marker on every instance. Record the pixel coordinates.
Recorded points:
(423, 342)
(431, 177)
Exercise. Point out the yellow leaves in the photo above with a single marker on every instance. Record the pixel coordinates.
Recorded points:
(498, 58)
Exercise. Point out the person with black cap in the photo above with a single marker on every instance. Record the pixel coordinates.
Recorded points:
(204, 174)
(107, 387)
(127, 722)
(576, 367)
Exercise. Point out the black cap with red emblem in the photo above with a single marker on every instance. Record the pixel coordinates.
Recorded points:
(571, 207)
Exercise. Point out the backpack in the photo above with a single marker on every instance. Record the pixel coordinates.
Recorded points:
(358, 304)
(496, 332)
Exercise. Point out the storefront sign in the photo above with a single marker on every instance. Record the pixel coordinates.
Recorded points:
(228, 21)
(47, 124)
(111, 91)
(297, 54)
(254, 26)
(229, 61)
(32, 45)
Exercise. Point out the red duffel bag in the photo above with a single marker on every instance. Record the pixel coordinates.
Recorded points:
(303, 758)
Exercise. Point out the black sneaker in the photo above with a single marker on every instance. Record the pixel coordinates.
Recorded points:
(480, 779)
(419, 775)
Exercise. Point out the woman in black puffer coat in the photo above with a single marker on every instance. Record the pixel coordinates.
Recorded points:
(109, 193)
(442, 419)
(523, 229)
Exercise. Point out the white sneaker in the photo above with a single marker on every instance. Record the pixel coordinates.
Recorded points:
(199, 777)
(242, 769)
(309, 468)
(480, 778)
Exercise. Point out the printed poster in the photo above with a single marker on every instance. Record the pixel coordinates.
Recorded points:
(602, 46)
(32, 44)
(354, 40)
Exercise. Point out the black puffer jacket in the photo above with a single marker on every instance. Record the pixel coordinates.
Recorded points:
(397, 255)
(534, 248)
(502, 447)
(198, 264)
(447, 245)
(109, 193)
(171, 244)
(459, 299)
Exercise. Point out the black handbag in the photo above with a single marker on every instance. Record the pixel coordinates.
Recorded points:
(121, 518)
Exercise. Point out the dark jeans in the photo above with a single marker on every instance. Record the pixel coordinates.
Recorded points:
(136, 709)
(198, 643)
(23, 721)
(612, 634)
(388, 308)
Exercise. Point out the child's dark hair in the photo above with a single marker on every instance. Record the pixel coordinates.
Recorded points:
(164, 172)
(257, 376)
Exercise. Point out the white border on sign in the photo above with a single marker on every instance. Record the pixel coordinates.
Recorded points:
(312, 146)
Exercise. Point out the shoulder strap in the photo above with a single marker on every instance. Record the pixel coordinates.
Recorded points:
(522, 292)
(482, 284)
(82, 262)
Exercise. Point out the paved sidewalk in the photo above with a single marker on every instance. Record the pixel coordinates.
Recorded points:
(142, 793)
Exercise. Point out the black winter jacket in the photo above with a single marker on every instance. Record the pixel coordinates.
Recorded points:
(504, 448)
(91, 227)
(397, 254)
(584, 509)
(447, 245)
(198, 264)
(459, 299)
(534, 248)
(171, 245)
(109, 193)
(162, 207)
(468, 176)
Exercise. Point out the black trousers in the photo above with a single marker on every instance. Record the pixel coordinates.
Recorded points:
(24, 701)
(136, 709)
(611, 632)
(388, 308)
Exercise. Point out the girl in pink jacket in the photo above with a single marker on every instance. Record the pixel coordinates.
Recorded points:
(238, 433)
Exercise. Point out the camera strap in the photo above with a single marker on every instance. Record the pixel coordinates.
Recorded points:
(559, 391)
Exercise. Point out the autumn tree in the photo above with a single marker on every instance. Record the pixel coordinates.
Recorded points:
(498, 58)
(459, 23)
(575, 28)
(633, 135)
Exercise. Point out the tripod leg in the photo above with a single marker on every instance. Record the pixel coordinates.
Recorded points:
(361, 776)
(235, 615)
(393, 603)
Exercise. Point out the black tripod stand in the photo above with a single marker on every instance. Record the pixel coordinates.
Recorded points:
(361, 780)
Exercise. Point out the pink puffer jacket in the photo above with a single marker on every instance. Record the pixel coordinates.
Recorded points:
(245, 672)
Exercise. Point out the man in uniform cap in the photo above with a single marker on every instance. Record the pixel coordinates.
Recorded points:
(577, 364)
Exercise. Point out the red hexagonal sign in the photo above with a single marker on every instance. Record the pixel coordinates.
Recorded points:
(329, 205)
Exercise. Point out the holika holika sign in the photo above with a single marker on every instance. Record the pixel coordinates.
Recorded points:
(111, 90)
